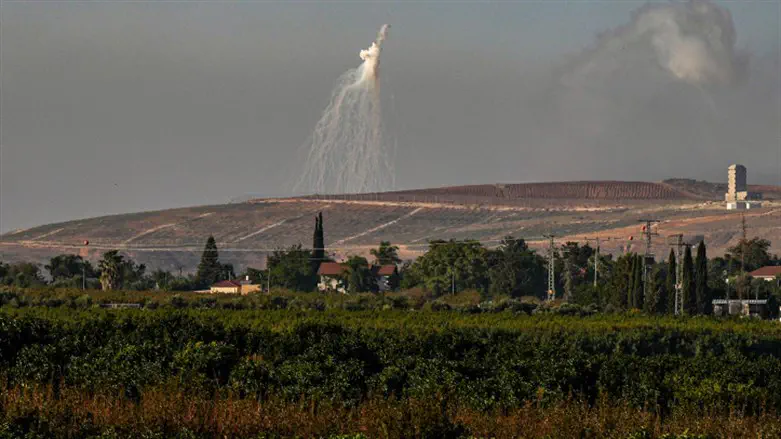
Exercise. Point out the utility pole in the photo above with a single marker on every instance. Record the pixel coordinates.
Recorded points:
(596, 256)
(742, 243)
(739, 287)
(551, 268)
(648, 256)
(268, 276)
(596, 264)
(84, 268)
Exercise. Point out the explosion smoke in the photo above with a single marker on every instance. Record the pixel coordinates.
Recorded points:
(346, 154)
(693, 41)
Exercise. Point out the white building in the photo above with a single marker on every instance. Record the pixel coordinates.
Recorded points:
(738, 197)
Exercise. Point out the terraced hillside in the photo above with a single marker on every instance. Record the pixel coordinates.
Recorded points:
(563, 194)
(575, 190)
(246, 232)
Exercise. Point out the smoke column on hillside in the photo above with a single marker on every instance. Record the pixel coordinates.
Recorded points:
(346, 154)
(668, 86)
(692, 41)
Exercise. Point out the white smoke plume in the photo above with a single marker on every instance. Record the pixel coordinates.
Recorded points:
(693, 41)
(346, 153)
(651, 95)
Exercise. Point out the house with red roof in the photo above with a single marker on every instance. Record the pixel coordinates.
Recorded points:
(768, 273)
(384, 274)
(332, 276)
(234, 287)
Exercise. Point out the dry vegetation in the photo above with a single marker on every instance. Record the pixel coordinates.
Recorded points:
(171, 411)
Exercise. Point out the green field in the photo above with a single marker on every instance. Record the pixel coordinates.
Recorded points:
(202, 366)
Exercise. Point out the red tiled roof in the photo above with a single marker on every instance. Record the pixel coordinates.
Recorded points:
(384, 270)
(331, 269)
(227, 284)
(337, 269)
(769, 271)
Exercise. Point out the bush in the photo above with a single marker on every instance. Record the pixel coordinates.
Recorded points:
(177, 301)
(83, 301)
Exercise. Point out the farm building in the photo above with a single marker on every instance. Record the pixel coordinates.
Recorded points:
(234, 287)
(330, 277)
(768, 273)
(747, 308)
(331, 274)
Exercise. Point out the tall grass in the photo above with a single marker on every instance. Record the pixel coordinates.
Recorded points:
(168, 411)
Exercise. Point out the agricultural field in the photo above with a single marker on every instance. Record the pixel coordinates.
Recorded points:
(247, 232)
(397, 365)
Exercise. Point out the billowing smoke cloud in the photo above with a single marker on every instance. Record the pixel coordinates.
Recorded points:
(663, 92)
(694, 42)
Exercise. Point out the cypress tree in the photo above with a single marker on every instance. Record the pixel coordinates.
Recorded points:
(318, 243)
(689, 298)
(209, 269)
(637, 286)
(630, 286)
(656, 301)
(702, 293)
(620, 283)
(569, 279)
(659, 288)
(669, 285)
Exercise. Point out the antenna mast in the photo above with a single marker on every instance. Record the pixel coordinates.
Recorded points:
(551, 268)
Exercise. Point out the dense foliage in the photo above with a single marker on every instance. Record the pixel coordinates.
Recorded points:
(582, 275)
(495, 361)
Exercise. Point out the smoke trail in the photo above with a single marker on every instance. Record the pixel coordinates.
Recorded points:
(346, 153)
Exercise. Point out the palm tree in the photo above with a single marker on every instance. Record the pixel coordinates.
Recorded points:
(386, 254)
(111, 268)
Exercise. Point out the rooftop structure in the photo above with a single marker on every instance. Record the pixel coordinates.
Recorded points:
(244, 286)
(745, 308)
(767, 273)
(331, 274)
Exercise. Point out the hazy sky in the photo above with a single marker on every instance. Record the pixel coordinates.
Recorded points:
(110, 107)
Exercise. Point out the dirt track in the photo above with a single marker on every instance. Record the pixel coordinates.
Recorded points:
(245, 232)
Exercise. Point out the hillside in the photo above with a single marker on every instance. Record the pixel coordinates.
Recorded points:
(246, 231)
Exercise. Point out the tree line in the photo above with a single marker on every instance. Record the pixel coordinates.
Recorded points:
(511, 269)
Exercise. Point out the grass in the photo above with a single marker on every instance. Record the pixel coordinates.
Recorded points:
(169, 411)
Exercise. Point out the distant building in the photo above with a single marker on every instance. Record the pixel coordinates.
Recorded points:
(384, 273)
(738, 197)
(746, 308)
(331, 274)
(234, 287)
(768, 273)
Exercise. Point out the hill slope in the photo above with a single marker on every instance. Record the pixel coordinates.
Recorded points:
(245, 232)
